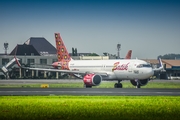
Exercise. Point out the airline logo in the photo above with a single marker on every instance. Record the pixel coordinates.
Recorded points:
(118, 66)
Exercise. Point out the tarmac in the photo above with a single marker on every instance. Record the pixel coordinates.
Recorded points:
(90, 91)
(48, 81)
(84, 91)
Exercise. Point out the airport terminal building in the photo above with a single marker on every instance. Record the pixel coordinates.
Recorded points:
(38, 52)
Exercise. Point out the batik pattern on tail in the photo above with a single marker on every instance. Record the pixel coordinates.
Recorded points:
(62, 53)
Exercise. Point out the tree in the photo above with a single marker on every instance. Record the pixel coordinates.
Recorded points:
(75, 52)
(93, 54)
(72, 51)
(169, 56)
(105, 54)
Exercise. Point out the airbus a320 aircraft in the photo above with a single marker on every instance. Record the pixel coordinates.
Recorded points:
(94, 71)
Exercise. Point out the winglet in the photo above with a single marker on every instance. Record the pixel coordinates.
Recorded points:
(161, 66)
(160, 63)
(17, 62)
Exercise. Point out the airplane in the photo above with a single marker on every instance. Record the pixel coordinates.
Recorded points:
(62, 51)
(94, 71)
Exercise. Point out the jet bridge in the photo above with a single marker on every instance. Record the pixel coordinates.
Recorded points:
(5, 68)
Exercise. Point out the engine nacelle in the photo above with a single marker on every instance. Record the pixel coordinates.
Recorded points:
(92, 79)
(141, 82)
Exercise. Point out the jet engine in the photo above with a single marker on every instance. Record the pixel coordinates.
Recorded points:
(140, 82)
(92, 80)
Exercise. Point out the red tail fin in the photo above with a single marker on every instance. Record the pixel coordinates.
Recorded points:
(62, 52)
(128, 56)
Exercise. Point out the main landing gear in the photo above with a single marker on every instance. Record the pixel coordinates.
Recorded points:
(118, 85)
(138, 83)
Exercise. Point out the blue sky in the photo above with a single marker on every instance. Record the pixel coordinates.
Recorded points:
(148, 27)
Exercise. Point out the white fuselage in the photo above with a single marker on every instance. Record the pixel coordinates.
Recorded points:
(114, 69)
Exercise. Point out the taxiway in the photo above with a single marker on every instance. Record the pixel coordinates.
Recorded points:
(83, 91)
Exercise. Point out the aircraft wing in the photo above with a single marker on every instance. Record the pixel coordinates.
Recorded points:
(66, 71)
(63, 71)
(52, 70)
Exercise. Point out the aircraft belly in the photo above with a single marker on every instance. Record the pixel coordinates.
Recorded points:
(109, 77)
(124, 75)
(141, 74)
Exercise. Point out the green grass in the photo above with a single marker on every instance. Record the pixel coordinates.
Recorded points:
(126, 84)
(89, 108)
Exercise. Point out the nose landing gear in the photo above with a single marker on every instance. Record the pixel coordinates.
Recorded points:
(118, 85)
(138, 85)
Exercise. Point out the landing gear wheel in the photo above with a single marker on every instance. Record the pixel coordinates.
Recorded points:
(86, 86)
(138, 86)
(120, 85)
(136, 83)
(117, 85)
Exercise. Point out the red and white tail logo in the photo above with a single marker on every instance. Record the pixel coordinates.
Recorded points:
(128, 56)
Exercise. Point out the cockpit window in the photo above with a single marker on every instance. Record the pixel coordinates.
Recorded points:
(143, 65)
(146, 65)
(139, 66)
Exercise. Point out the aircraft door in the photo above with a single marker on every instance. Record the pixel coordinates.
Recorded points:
(130, 67)
(103, 67)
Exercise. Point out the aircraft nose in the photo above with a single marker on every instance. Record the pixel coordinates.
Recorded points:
(151, 72)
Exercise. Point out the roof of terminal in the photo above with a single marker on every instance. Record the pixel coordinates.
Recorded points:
(24, 50)
(169, 63)
(35, 46)
(41, 45)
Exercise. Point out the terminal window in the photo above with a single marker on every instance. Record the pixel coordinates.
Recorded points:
(30, 61)
(54, 60)
(5, 61)
(43, 61)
